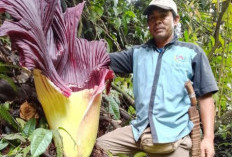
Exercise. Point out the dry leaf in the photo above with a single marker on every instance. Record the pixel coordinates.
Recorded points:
(27, 111)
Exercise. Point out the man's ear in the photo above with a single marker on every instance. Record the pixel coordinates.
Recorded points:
(176, 20)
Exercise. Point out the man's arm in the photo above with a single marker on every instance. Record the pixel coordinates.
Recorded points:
(122, 62)
(207, 113)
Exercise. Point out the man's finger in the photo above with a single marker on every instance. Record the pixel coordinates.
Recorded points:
(210, 154)
(203, 153)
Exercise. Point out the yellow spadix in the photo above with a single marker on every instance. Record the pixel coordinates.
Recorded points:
(77, 114)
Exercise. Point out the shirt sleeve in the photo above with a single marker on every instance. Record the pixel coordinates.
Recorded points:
(122, 62)
(203, 78)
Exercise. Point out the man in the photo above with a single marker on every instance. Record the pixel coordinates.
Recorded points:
(160, 69)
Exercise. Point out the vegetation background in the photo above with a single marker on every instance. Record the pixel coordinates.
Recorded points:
(207, 23)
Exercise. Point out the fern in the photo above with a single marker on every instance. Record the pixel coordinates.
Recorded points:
(5, 115)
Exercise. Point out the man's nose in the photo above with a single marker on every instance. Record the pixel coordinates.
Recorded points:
(158, 21)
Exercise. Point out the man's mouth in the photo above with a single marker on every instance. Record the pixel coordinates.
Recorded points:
(158, 29)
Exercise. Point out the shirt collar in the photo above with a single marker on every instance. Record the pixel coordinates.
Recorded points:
(151, 42)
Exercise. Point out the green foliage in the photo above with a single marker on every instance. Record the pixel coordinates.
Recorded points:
(14, 141)
(115, 21)
(131, 110)
(29, 127)
(16, 136)
(223, 138)
(31, 141)
(63, 129)
(113, 106)
(40, 140)
(3, 144)
(5, 115)
(4, 70)
(140, 154)
(58, 143)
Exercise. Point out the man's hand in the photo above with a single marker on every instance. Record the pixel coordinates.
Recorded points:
(207, 147)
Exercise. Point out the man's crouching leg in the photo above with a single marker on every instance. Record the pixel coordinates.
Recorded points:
(119, 141)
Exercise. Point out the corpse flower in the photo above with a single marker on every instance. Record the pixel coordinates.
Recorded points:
(69, 73)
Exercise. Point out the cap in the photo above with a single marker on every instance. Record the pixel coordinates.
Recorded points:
(164, 4)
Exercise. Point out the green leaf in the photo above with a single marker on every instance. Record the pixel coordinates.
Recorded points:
(41, 138)
(115, 3)
(21, 122)
(43, 123)
(186, 36)
(222, 41)
(212, 40)
(130, 14)
(9, 80)
(117, 23)
(131, 110)
(3, 145)
(5, 115)
(115, 11)
(58, 143)
(122, 155)
(14, 152)
(29, 127)
(61, 128)
(19, 155)
(16, 136)
(140, 154)
(96, 11)
(26, 151)
(113, 107)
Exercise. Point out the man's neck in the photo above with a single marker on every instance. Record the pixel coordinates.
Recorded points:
(160, 43)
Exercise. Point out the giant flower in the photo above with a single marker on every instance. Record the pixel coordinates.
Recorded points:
(69, 73)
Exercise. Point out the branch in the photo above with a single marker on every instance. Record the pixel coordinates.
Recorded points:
(110, 120)
(225, 5)
(125, 114)
(125, 95)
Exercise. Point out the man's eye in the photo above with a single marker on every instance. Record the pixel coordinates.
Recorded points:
(163, 16)
(151, 18)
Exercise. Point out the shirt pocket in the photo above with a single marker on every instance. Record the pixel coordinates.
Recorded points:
(182, 70)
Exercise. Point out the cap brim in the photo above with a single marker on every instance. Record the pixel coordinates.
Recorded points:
(150, 7)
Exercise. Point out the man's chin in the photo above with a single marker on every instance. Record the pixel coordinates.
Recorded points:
(159, 36)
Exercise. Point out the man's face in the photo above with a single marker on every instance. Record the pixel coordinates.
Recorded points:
(161, 24)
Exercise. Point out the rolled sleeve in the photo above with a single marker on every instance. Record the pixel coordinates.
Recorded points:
(203, 78)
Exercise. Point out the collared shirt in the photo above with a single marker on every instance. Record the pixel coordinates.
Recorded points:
(161, 99)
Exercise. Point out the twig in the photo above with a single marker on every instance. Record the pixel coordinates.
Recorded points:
(46, 154)
(225, 5)
(125, 115)
(126, 96)
(111, 121)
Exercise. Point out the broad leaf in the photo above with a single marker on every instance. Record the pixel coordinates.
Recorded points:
(29, 127)
(41, 138)
(113, 107)
(3, 145)
(15, 136)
